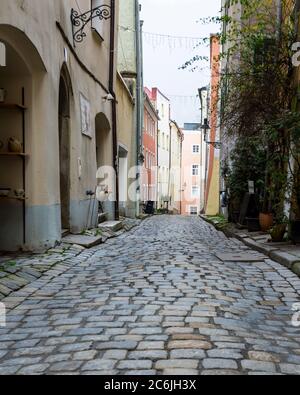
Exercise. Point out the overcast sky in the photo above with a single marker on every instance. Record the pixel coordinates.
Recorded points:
(162, 56)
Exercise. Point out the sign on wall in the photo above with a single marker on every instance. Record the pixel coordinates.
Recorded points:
(2, 55)
(85, 111)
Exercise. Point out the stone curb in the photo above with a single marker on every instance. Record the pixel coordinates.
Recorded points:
(289, 261)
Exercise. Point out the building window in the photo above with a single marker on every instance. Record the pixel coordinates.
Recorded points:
(195, 170)
(195, 191)
(196, 149)
(193, 210)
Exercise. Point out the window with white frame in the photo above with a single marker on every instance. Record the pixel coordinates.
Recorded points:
(193, 210)
(196, 149)
(195, 191)
(195, 170)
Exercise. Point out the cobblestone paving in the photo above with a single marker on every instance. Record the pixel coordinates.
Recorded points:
(156, 301)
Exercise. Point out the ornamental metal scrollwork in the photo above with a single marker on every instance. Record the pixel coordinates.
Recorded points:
(79, 21)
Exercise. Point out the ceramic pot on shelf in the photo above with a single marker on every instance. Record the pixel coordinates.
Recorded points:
(2, 95)
(14, 145)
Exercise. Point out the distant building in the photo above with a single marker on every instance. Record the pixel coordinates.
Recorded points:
(193, 171)
(162, 105)
(191, 126)
(175, 186)
(149, 171)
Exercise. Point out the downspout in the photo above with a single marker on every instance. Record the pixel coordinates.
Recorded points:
(114, 104)
(139, 95)
(170, 163)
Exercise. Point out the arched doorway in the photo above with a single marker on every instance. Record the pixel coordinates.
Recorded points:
(104, 161)
(64, 146)
(21, 71)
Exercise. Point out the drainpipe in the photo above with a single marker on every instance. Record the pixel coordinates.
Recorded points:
(114, 104)
(139, 92)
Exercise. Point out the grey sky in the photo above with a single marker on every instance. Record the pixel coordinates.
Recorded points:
(161, 59)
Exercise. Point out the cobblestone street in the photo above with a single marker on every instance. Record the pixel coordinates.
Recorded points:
(156, 300)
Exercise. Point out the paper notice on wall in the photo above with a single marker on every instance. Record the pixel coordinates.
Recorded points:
(2, 55)
(251, 187)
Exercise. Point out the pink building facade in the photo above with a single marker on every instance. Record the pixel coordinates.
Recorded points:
(193, 172)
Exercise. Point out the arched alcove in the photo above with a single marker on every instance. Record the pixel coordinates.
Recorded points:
(102, 140)
(18, 75)
(64, 127)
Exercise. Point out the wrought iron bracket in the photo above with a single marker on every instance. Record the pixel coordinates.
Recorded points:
(215, 144)
(79, 21)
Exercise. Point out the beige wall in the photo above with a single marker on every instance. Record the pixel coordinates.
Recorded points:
(29, 27)
(126, 142)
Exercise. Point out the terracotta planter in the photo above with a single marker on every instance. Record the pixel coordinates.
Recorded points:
(277, 232)
(266, 221)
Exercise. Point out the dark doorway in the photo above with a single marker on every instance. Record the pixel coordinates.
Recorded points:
(64, 151)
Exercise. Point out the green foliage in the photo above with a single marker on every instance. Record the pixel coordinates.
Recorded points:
(248, 163)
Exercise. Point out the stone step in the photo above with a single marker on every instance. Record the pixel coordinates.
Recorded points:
(102, 217)
(82, 240)
(112, 226)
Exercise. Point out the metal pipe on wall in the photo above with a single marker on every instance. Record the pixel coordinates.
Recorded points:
(114, 104)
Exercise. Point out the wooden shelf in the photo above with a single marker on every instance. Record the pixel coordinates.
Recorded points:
(12, 198)
(12, 106)
(12, 154)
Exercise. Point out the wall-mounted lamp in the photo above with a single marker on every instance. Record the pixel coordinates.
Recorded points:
(206, 128)
(108, 97)
(79, 21)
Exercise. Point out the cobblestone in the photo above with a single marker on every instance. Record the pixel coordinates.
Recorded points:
(154, 300)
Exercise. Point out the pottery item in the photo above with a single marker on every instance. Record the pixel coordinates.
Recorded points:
(20, 193)
(4, 192)
(2, 95)
(14, 145)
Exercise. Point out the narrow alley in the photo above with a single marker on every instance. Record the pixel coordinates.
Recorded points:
(158, 300)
